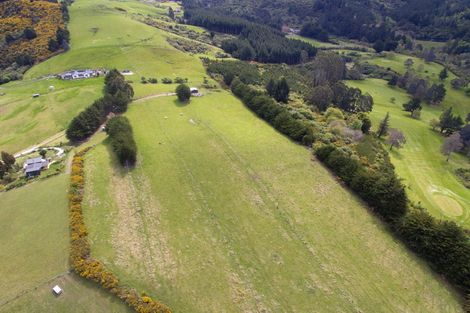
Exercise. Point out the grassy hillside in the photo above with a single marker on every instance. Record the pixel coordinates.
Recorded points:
(26, 121)
(34, 254)
(224, 214)
(430, 179)
(454, 98)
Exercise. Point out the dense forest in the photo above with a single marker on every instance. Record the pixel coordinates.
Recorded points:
(254, 41)
(367, 20)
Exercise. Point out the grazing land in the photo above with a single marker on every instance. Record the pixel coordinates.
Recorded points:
(430, 179)
(26, 121)
(212, 220)
(34, 254)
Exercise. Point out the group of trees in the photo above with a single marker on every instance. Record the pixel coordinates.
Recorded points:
(6, 163)
(122, 140)
(346, 98)
(420, 88)
(254, 41)
(312, 30)
(382, 190)
(278, 89)
(61, 40)
(275, 114)
(117, 95)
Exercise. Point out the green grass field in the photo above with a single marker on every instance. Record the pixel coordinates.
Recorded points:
(34, 256)
(26, 121)
(224, 214)
(430, 179)
(454, 98)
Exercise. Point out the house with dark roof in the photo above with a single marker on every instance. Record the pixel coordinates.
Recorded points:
(33, 167)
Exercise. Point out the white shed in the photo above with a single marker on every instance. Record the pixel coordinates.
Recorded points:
(57, 290)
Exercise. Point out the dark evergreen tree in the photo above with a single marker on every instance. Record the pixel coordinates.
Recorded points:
(383, 126)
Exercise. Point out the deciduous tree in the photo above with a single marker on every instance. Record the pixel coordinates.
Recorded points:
(451, 144)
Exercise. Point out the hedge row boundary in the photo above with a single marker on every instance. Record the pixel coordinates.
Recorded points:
(80, 252)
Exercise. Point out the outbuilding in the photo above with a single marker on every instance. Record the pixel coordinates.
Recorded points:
(57, 290)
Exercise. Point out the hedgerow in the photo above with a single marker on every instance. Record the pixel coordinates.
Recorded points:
(80, 259)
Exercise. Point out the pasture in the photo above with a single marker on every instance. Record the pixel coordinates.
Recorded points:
(34, 255)
(26, 121)
(454, 98)
(222, 213)
(430, 180)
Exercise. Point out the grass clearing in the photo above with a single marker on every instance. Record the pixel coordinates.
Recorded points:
(430, 179)
(224, 214)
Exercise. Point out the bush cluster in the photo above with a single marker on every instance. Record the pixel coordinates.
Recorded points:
(122, 140)
(81, 261)
(272, 112)
(118, 94)
(380, 189)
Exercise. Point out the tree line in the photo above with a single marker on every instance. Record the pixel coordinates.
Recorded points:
(122, 140)
(254, 42)
(117, 95)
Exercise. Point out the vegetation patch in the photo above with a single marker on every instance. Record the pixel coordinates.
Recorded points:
(80, 259)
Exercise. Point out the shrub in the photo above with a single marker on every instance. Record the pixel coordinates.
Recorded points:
(183, 92)
(166, 80)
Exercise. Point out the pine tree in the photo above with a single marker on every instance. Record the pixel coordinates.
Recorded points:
(383, 127)
(282, 91)
(443, 74)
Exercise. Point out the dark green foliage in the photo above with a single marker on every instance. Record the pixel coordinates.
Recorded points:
(321, 97)
(435, 94)
(183, 92)
(53, 45)
(441, 243)
(412, 105)
(117, 95)
(312, 30)
(122, 140)
(449, 123)
(63, 37)
(381, 190)
(254, 41)
(171, 13)
(8, 160)
(29, 33)
(246, 72)
(24, 60)
(351, 99)
(443, 74)
(9, 38)
(383, 126)
(366, 125)
(278, 89)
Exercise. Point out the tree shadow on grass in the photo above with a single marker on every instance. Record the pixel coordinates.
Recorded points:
(180, 104)
(119, 169)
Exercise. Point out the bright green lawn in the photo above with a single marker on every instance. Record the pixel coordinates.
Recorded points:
(430, 179)
(223, 214)
(34, 241)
